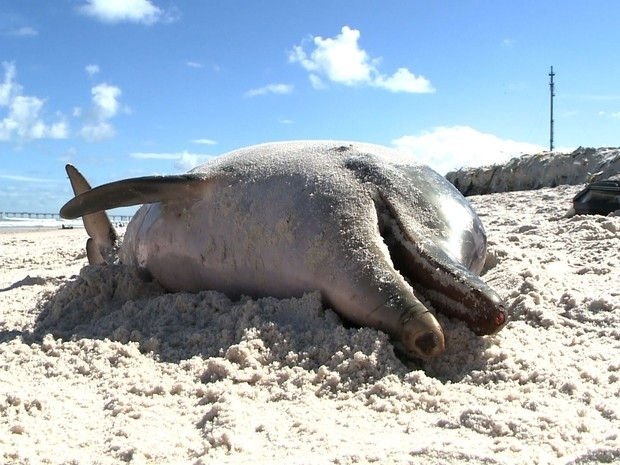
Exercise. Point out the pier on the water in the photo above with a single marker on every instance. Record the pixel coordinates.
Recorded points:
(56, 216)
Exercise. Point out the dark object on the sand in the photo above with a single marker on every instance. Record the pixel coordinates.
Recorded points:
(598, 198)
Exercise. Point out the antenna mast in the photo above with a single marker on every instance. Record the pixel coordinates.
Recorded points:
(551, 89)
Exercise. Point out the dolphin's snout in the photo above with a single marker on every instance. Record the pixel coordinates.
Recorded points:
(499, 320)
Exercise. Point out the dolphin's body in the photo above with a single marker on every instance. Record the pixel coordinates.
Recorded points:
(362, 224)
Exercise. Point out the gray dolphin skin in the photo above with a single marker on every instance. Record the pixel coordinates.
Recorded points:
(385, 240)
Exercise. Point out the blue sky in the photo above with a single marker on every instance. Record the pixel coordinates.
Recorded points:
(134, 87)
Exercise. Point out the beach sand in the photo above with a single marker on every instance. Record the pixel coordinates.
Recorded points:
(99, 367)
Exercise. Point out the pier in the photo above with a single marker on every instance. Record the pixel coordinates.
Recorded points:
(55, 216)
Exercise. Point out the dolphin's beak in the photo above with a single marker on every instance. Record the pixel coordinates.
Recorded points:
(450, 287)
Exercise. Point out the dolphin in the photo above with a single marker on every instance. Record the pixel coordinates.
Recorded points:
(386, 241)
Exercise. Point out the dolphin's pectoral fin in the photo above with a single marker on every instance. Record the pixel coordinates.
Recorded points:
(103, 238)
(134, 191)
(393, 308)
(419, 334)
(449, 286)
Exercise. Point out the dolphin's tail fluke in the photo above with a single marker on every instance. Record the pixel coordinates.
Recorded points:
(103, 240)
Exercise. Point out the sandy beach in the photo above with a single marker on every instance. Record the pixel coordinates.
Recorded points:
(100, 367)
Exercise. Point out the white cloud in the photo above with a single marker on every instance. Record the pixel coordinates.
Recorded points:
(187, 161)
(68, 155)
(25, 31)
(182, 160)
(316, 81)
(27, 179)
(592, 97)
(106, 105)
(603, 113)
(404, 81)
(270, 89)
(105, 98)
(98, 131)
(91, 70)
(342, 61)
(448, 148)
(9, 88)
(204, 141)
(194, 64)
(116, 11)
(155, 156)
(24, 120)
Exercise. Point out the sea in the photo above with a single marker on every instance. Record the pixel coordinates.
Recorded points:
(29, 224)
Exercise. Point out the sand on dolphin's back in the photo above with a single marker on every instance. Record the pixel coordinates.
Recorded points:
(100, 367)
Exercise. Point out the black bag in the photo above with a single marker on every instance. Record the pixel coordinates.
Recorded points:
(598, 198)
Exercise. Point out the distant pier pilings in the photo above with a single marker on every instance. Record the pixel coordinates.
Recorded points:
(56, 216)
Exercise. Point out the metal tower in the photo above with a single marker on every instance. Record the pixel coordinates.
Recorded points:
(551, 89)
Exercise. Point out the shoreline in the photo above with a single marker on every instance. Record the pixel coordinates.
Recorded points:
(19, 229)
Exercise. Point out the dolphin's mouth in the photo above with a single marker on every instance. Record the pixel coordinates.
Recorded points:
(449, 286)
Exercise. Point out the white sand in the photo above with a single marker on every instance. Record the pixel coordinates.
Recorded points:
(134, 375)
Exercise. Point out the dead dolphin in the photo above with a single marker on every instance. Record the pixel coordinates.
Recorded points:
(361, 223)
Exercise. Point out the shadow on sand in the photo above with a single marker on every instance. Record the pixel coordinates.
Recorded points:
(113, 303)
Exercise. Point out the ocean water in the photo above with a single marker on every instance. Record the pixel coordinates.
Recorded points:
(14, 224)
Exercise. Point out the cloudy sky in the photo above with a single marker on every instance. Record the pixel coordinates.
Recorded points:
(134, 87)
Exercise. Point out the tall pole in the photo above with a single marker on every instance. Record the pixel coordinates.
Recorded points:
(551, 89)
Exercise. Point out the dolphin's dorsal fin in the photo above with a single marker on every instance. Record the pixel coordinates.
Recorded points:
(133, 191)
(97, 224)
(94, 253)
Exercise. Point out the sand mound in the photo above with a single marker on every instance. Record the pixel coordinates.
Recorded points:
(547, 169)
